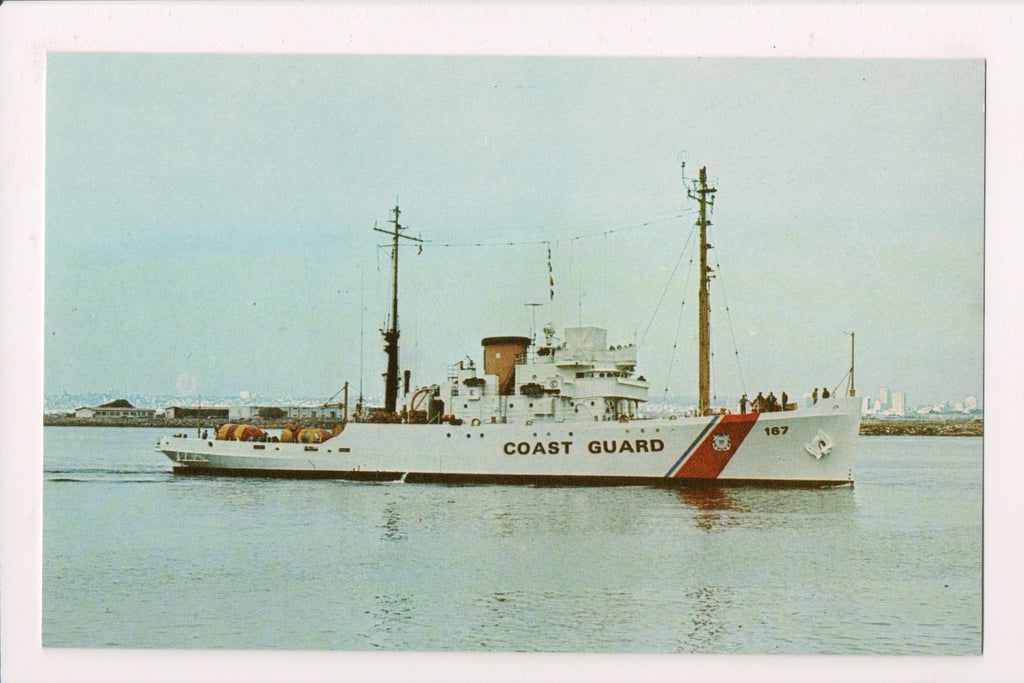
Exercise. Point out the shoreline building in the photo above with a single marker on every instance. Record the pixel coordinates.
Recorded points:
(196, 412)
(114, 409)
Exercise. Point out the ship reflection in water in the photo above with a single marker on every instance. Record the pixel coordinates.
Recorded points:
(736, 529)
(719, 507)
(708, 605)
(709, 504)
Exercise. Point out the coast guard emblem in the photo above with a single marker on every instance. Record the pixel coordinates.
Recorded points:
(721, 442)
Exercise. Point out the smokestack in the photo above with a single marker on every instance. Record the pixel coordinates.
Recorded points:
(500, 357)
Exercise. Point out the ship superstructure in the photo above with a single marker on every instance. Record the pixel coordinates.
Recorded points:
(578, 379)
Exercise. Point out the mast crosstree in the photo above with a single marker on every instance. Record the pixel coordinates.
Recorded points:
(391, 334)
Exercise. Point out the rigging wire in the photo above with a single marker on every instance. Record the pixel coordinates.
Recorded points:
(362, 314)
(679, 323)
(836, 387)
(551, 276)
(579, 282)
(711, 372)
(574, 238)
(604, 280)
(728, 317)
(668, 284)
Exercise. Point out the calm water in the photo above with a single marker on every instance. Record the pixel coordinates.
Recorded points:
(135, 557)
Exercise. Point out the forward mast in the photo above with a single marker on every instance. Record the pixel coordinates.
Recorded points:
(705, 197)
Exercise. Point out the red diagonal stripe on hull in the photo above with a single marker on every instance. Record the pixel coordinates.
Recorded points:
(707, 462)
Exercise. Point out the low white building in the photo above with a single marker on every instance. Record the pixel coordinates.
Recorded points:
(249, 413)
(115, 409)
(196, 412)
(332, 412)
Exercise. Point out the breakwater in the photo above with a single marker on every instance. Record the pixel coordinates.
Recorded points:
(922, 428)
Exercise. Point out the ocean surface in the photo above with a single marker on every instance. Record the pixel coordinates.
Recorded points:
(135, 557)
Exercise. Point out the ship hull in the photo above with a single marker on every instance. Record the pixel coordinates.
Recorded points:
(810, 447)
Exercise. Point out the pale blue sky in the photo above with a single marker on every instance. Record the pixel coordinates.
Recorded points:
(208, 218)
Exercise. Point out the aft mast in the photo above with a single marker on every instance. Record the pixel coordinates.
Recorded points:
(391, 334)
(705, 196)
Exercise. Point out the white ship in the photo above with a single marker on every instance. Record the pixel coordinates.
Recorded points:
(559, 412)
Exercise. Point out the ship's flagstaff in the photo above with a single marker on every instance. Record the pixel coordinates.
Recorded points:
(533, 328)
(852, 357)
